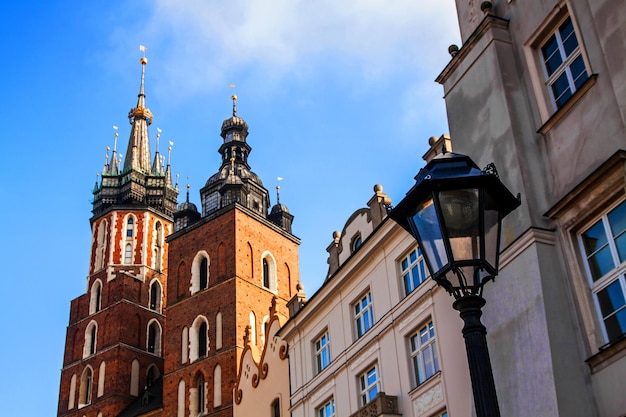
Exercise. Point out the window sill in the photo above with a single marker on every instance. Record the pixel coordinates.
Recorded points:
(427, 384)
(560, 113)
(607, 355)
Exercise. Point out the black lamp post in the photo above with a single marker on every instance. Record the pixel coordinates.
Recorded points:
(455, 211)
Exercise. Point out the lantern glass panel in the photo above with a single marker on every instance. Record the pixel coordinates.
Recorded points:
(492, 231)
(461, 220)
(426, 226)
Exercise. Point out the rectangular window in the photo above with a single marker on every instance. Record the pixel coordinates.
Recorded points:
(369, 385)
(604, 248)
(563, 63)
(424, 353)
(327, 410)
(322, 352)
(412, 270)
(363, 315)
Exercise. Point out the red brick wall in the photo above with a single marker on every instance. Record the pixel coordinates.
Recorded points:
(122, 320)
(234, 242)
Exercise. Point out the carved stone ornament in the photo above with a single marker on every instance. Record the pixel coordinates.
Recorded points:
(427, 400)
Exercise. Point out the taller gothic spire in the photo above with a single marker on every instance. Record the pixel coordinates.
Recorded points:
(140, 117)
(137, 183)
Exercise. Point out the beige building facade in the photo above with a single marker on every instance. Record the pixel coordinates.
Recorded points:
(539, 89)
(378, 338)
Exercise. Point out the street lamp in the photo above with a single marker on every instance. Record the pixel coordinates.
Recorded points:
(455, 211)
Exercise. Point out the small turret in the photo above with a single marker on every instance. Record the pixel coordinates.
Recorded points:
(186, 214)
(280, 214)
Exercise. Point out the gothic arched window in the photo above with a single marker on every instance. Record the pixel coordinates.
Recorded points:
(130, 227)
(204, 273)
(158, 246)
(269, 280)
(266, 274)
(128, 253)
(84, 394)
(96, 297)
(155, 296)
(200, 272)
(202, 340)
(200, 402)
(199, 338)
(91, 335)
(154, 337)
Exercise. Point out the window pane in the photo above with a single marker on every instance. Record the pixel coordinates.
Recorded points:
(579, 72)
(561, 90)
(594, 238)
(620, 243)
(366, 320)
(601, 263)
(611, 299)
(372, 393)
(617, 219)
(568, 37)
(551, 55)
(616, 325)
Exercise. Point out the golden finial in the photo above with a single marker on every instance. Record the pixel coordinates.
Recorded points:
(234, 98)
(158, 136)
(143, 60)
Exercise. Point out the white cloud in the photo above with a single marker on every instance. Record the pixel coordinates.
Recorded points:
(210, 41)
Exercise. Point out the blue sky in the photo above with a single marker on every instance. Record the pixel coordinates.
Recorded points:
(339, 96)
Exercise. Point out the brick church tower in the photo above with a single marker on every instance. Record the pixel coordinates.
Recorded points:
(172, 292)
(113, 347)
(228, 262)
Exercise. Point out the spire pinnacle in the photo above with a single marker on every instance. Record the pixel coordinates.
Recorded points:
(234, 97)
(106, 168)
(168, 172)
(157, 164)
(114, 167)
(278, 194)
(140, 118)
(95, 188)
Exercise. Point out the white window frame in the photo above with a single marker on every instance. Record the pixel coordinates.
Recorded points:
(366, 387)
(327, 409)
(321, 349)
(363, 314)
(423, 350)
(413, 271)
(617, 275)
(538, 72)
(566, 62)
